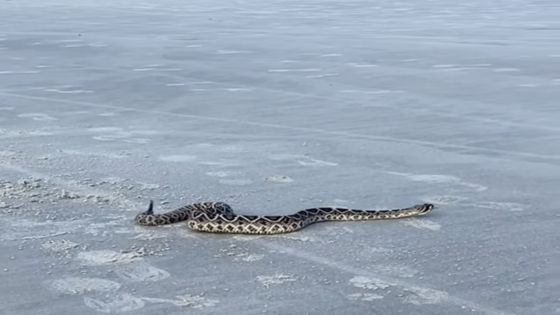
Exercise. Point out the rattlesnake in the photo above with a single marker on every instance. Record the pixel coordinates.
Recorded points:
(218, 217)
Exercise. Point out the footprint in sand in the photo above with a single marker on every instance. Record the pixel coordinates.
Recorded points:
(117, 302)
(37, 116)
(79, 286)
(140, 272)
(111, 300)
(114, 303)
(103, 295)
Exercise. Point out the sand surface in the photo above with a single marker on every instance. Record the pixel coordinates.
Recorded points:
(272, 107)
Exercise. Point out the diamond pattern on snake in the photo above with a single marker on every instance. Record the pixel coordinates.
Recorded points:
(219, 217)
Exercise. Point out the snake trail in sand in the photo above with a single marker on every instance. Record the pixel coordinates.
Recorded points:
(218, 217)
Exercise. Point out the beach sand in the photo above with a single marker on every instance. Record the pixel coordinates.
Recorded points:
(274, 107)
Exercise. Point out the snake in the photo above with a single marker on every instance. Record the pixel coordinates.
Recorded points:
(219, 217)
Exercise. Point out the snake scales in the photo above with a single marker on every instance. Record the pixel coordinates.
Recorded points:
(218, 217)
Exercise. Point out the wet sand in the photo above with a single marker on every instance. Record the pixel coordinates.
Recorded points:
(275, 107)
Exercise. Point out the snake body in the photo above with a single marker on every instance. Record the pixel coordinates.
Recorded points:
(218, 217)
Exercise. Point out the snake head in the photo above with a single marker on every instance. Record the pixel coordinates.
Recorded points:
(425, 208)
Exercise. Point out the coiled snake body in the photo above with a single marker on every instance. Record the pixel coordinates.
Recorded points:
(218, 217)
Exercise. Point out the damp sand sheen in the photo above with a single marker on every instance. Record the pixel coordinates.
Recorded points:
(274, 107)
